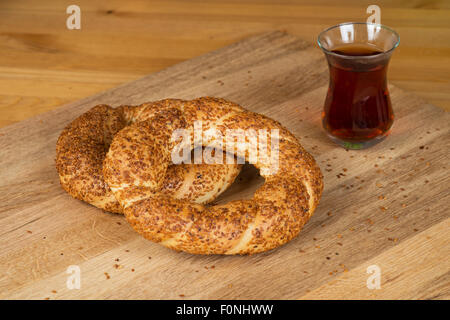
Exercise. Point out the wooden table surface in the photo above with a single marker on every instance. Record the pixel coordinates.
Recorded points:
(44, 65)
(384, 207)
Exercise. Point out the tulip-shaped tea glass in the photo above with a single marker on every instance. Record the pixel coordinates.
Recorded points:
(358, 111)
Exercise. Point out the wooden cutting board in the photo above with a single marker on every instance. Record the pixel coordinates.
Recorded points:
(385, 206)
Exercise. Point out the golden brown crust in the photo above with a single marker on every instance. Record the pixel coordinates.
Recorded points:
(274, 216)
(82, 146)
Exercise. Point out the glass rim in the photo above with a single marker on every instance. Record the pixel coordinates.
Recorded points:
(358, 23)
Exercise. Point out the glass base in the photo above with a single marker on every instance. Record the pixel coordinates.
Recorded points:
(357, 145)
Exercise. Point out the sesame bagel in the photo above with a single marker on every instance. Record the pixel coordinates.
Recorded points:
(275, 214)
(82, 146)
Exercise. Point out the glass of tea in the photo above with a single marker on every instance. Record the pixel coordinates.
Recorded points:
(358, 111)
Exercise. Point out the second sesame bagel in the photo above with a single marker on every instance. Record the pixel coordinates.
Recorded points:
(82, 146)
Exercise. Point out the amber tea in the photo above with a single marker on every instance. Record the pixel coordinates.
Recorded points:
(358, 111)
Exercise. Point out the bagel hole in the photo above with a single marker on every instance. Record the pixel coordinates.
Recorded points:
(243, 187)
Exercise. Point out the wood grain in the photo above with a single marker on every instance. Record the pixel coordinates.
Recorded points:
(43, 65)
(400, 265)
(379, 205)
